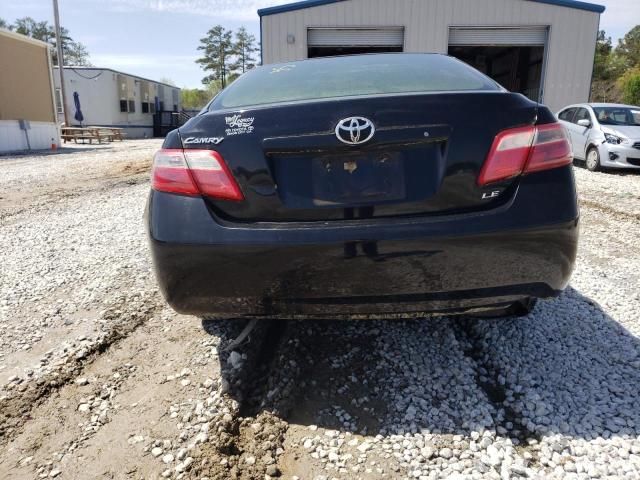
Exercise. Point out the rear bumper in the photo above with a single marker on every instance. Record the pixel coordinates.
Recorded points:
(452, 264)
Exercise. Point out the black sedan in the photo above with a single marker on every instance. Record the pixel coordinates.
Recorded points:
(374, 185)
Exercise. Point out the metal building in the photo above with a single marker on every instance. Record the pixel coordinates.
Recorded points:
(27, 109)
(110, 98)
(541, 48)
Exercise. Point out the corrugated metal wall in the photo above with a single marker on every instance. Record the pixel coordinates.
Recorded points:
(571, 46)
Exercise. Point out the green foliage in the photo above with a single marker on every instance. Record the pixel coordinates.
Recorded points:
(629, 83)
(226, 58)
(213, 87)
(38, 30)
(75, 53)
(601, 65)
(3, 23)
(629, 48)
(612, 64)
(244, 48)
(217, 48)
(194, 98)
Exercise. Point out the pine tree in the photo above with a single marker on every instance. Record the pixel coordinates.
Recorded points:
(217, 49)
(243, 48)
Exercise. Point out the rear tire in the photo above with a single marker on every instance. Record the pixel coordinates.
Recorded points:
(593, 159)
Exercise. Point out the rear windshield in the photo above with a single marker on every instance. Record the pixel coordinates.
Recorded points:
(352, 76)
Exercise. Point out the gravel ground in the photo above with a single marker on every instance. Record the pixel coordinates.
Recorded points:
(92, 361)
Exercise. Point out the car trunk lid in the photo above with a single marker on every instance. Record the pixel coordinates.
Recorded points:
(424, 157)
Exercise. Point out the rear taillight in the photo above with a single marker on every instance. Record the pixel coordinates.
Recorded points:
(551, 148)
(526, 150)
(194, 172)
(171, 173)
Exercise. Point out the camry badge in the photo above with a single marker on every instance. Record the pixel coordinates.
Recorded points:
(214, 140)
(355, 130)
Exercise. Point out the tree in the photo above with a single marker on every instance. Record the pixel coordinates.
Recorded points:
(217, 48)
(601, 70)
(38, 30)
(3, 24)
(168, 81)
(243, 48)
(608, 66)
(194, 98)
(75, 53)
(629, 83)
(629, 48)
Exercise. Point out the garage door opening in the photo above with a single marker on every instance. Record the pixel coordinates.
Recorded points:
(330, 42)
(337, 51)
(513, 57)
(518, 69)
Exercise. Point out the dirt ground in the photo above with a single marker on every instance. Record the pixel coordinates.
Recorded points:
(100, 379)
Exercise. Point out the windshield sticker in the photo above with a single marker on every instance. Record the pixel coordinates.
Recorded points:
(284, 68)
(238, 125)
(214, 140)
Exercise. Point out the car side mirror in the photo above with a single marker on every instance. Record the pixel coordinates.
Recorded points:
(584, 123)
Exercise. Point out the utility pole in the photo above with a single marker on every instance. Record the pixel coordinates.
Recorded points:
(56, 17)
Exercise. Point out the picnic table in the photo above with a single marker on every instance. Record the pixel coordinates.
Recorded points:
(111, 133)
(96, 133)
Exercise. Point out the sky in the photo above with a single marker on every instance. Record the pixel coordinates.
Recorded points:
(159, 38)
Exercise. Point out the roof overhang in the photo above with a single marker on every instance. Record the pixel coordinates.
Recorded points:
(289, 7)
(23, 38)
(107, 69)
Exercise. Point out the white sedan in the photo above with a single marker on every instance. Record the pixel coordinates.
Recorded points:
(603, 134)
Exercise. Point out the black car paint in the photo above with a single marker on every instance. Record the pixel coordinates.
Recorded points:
(458, 248)
(449, 264)
(441, 168)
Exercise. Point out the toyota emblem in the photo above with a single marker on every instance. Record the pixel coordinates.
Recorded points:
(355, 130)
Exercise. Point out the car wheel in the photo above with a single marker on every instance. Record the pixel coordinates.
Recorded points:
(593, 159)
